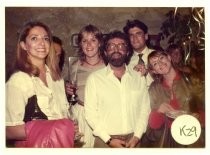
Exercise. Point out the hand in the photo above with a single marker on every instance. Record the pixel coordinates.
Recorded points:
(69, 88)
(78, 134)
(141, 68)
(76, 127)
(132, 142)
(117, 143)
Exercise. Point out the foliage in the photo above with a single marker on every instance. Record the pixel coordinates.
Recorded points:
(179, 28)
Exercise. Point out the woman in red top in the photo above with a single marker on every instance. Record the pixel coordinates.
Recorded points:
(171, 94)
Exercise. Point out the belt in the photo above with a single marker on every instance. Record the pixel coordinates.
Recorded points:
(123, 137)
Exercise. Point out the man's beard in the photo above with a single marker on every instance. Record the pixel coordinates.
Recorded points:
(117, 59)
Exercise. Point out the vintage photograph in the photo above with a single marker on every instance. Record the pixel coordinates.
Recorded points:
(105, 77)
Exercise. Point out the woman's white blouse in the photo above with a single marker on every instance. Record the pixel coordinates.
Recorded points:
(51, 100)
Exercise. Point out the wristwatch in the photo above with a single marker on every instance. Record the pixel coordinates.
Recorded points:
(108, 142)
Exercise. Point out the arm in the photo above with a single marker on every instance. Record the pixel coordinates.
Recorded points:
(143, 116)
(158, 107)
(156, 119)
(16, 132)
(15, 108)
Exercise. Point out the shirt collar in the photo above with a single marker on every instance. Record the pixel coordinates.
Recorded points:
(142, 52)
(109, 70)
(47, 69)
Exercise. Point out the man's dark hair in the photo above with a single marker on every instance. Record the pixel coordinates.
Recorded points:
(121, 35)
(135, 23)
(57, 40)
(62, 56)
(172, 47)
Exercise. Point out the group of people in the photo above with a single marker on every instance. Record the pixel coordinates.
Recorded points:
(124, 89)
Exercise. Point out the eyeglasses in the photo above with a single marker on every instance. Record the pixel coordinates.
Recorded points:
(121, 46)
(158, 60)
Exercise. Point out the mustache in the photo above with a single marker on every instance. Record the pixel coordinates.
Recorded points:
(115, 53)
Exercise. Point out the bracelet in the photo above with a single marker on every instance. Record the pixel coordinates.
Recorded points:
(109, 141)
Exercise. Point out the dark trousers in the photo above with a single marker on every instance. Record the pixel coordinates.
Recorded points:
(99, 143)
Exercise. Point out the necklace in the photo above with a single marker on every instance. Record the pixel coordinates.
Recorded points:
(94, 63)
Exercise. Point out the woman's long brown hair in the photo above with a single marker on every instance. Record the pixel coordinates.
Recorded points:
(23, 63)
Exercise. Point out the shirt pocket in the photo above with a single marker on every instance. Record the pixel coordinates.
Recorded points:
(135, 97)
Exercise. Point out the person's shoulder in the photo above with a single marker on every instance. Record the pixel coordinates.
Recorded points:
(150, 50)
(98, 75)
(156, 84)
(19, 78)
(136, 76)
(132, 72)
(99, 72)
(153, 84)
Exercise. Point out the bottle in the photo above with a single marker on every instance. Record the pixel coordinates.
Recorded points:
(32, 110)
(38, 114)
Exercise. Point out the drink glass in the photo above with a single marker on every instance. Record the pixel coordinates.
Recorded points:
(72, 99)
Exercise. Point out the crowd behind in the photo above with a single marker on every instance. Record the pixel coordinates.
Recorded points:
(125, 90)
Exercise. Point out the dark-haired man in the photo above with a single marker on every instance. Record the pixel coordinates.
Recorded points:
(137, 32)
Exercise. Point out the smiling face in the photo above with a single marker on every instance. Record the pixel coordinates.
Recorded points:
(37, 44)
(90, 44)
(161, 64)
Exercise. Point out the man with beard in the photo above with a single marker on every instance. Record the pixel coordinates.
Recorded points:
(117, 103)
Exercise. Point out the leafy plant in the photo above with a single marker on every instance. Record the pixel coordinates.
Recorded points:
(179, 28)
